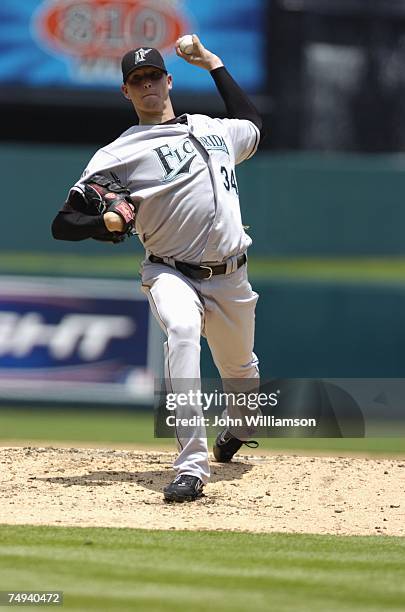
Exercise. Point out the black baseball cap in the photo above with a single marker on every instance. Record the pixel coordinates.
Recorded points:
(140, 57)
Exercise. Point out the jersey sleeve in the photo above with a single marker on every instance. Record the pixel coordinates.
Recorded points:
(244, 136)
(103, 162)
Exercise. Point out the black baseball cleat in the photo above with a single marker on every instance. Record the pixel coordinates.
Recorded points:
(226, 445)
(184, 488)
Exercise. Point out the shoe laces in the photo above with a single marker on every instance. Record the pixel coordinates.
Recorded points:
(185, 478)
(227, 437)
(251, 443)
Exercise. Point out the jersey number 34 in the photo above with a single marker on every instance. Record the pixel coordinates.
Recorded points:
(229, 180)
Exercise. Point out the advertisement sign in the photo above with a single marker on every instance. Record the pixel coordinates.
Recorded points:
(79, 44)
(76, 340)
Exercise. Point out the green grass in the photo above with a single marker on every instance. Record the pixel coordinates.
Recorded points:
(73, 425)
(120, 427)
(123, 569)
(361, 270)
(72, 265)
(323, 269)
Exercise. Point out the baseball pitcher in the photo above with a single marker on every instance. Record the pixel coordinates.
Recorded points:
(171, 179)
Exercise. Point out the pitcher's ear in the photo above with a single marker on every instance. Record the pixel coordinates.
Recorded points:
(124, 90)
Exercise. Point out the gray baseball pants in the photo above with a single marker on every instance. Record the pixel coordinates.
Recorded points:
(222, 309)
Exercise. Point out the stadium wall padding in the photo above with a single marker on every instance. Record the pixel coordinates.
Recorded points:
(327, 330)
(295, 204)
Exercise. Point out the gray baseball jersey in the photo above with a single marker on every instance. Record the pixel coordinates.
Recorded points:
(182, 178)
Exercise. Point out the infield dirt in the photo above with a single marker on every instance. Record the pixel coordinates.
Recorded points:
(123, 488)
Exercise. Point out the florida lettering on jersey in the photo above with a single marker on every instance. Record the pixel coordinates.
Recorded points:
(176, 160)
(213, 142)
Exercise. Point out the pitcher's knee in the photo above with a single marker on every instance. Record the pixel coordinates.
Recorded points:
(185, 331)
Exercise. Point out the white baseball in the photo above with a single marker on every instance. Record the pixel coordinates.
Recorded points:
(186, 44)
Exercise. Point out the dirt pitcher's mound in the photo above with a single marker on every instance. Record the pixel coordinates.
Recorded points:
(117, 488)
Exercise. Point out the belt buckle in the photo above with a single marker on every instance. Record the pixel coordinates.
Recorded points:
(207, 268)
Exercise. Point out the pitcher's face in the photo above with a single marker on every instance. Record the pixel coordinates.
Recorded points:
(148, 89)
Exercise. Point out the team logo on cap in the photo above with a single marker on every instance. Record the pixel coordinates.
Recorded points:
(141, 54)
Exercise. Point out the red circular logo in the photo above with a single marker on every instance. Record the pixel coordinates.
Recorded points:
(108, 28)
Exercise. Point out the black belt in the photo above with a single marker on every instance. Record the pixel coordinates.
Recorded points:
(203, 272)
